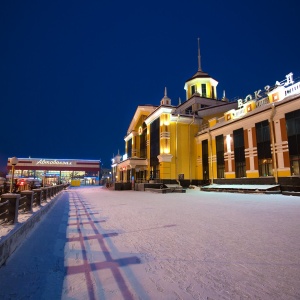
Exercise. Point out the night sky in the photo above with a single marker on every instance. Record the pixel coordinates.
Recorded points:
(72, 73)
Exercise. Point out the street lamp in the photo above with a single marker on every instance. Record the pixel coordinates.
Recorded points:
(13, 162)
(44, 179)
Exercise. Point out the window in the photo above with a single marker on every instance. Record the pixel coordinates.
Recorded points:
(189, 110)
(239, 153)
(129, 148)
(293, 132)
(265, 166)
(141, 176)
(128, 176)
(154, 143)
(203, 90)
(154, 174)
(143, 142)
(213, 92)
(220, 156)
(295, 164)
(262, 131)
(193, 89)
(205, 160)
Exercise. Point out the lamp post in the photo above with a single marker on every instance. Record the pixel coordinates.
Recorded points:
(13, 162)
(44, 179)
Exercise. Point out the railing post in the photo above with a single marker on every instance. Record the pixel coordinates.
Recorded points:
(49, 192)
(38, 197)
(45, 193)
(55, 190)
(28, 200)
(12, 207)
(51, 189)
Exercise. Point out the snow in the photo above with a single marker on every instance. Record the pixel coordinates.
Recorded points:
(242, 186)
(101, 244)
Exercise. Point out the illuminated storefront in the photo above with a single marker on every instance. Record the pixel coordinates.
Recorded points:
(53, 171)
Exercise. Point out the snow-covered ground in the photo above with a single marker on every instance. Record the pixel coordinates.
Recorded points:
(101, 244)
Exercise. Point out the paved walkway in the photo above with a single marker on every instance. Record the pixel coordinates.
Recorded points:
(102, 244)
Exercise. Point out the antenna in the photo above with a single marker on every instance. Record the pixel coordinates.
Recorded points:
(199, 57)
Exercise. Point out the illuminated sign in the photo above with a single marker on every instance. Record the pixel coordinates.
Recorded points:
(278, 92)
(53, 162)
(257, 94)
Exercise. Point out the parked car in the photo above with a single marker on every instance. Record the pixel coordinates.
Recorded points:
(29, 182)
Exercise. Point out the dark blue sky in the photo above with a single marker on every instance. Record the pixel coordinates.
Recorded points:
(73, 72)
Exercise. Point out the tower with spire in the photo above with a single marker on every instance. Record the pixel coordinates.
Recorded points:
(160, 141)
(201, 83)
(165, 100)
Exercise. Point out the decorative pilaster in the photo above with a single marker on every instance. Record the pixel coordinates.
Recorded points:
(251, 153)
(281, 148)
(164, 134)
(229, 157)
(165, 165)
(199, 170)
(213, 159)
(148, 148)
(134, 137)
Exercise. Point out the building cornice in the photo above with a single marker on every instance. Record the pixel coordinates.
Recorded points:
(257, 111)
(158, 112)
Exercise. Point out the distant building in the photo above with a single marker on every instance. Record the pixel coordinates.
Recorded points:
(57, 170)
(105, 176)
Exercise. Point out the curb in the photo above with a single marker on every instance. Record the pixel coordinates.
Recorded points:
(290, 193)
(13, 240)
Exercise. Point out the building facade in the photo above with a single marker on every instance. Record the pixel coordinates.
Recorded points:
(205, 140)
(160, 141)
(258, 140)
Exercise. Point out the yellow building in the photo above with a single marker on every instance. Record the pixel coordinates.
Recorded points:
(160, 141)
(255, 140)
(257, 143)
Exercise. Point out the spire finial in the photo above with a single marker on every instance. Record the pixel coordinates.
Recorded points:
(165, 100)
(224, 96)
(179, 101)
(199, 57)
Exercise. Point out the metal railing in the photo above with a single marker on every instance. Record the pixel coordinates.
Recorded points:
(5, 211)
(12, 204)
